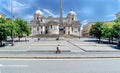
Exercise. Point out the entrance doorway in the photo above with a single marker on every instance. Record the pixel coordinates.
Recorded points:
(46, 32)
(68, 32)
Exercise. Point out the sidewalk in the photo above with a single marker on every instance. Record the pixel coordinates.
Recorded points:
(53, 55)
(71, 48)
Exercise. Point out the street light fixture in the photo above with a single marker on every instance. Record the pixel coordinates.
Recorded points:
(79, 31)
(12, 33)
(119, 38)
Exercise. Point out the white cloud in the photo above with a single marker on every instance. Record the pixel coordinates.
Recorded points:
(28, 17)
(110, 15)
(49, 12)
(84, 22)
(17, 7)
(17, 4)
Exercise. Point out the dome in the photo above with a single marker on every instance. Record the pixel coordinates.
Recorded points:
(72, 12)
(39, 12)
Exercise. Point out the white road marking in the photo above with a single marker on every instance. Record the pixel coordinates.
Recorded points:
(1, 65)
(62, 59)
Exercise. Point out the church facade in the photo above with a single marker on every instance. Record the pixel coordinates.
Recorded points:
(41, 25)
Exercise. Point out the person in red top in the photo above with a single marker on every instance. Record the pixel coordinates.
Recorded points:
(58, 49)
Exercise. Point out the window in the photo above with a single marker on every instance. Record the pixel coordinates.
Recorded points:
(34, 28)
(37, 18)
(37, 28)
(75, 29)
(41, 20)
(72, 18)
(55, 27)
(72, 29)
(46, 27)
(51, 26)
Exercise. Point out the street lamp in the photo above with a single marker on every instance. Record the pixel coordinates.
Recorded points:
(79, 32)
(119, 38)
(12, 33)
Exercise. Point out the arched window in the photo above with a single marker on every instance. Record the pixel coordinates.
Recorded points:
(51, 26)
(41, 20)
(37, 18)
(72, 18)
(37, 28)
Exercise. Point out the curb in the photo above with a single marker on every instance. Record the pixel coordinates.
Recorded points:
(48, 51)
(33, 51)
(13, 50)
(60, 57)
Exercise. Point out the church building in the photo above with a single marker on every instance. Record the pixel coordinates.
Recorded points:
(50, 25)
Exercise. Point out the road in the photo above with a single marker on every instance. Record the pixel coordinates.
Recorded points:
(60, 66)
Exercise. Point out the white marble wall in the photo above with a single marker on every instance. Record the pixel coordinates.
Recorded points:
(54, 29)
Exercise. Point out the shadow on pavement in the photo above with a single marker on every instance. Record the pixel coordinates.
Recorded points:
(115, 47)
(90, 41)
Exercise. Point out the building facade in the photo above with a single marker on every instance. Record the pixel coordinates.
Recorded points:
(117, 15)
(41, 25)
(86, 29)
(2, 15)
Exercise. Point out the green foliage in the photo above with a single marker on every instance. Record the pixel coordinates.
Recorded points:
(108, 31)
(3, 32)
(116, 28)
(2, 20)
(18, 28)
(4, 29)
(96, 30)
(23, 27)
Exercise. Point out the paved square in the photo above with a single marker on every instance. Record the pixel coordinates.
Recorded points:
(93, 46)
(66, 45)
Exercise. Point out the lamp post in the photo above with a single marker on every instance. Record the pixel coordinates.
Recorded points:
(119, 38)
(79, 31)
(12, 33)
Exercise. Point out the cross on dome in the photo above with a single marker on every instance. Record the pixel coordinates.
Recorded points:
(39, 12)
(72, 12)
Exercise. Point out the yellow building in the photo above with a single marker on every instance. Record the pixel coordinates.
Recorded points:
(2, 15)
(86, 29)
(117, 14)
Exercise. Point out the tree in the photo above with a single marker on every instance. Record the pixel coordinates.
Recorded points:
(23, 28)
(108, 31)
(18, 28)
(96, 30)
(116, 28)
(4, 30)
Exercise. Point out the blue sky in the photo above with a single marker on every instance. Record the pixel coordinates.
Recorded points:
(86, 10)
